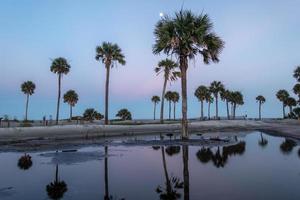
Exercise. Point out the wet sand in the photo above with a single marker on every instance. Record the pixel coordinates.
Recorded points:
(72, 136)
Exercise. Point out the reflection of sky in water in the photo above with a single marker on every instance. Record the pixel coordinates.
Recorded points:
(260, 172)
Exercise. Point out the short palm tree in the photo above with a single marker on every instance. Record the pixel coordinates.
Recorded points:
(296, 90)
(124, 114)
(290, 102)
(261, 100)
(297, 73)
(175, 99)
(109, 54)
(201, 94)
(216, 87)
(71, 97)
(169, 96)
(236, 98)
(155, 100)
(27, 88)
(185, 35)
(59, 66)
(225, 96)
(282, 96)
(209, 99)
(168, 68)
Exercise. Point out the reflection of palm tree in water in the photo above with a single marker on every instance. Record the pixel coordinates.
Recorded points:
(173, 183)
(25, 162)
(287, 145)
(186, 178)
(57, 188)
(262, 142)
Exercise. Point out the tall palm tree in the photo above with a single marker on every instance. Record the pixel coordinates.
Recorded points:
(109, 54)
(290, 102)
(168, 68)
(175, 99)
(71, 97)
(209, 99)
(201, 94)
(27, 88)
(216, 87)
(261, 100)
(155, 100)
(225, 95)
(296, 90)
(297, 73)
(236, 98)
(59, 66)
(282, 95)
(169, 96)
(185, 35)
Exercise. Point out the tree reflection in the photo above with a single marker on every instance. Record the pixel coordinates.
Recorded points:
(172, 184)
(25, 162)
(57, 188)
(172, 150)
(186, 176)
(219, 158)
(262, 142)
(287, 146)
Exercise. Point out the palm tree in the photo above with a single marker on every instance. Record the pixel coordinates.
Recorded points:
(175, 99)
(290, 102)
(225, 95)
(201, 94)
(155, 100)
(261, 100)
(296, 90)
(185, 35)
(169, 96)
(124, 114)
(236, 98)
(216, 87)
(167, 67)
(59, 66)
(209, 99)
(297, 73)
(27, 88)
(71, 97)
(109, 54)
(282, 95)
(262, 142)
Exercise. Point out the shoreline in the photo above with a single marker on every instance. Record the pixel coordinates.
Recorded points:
(67, 136)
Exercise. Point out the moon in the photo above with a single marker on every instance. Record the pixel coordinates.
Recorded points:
(161, 14)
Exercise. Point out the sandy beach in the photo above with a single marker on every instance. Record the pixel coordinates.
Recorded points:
(39, 138)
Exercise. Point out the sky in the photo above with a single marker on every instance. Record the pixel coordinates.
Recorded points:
(261, 51)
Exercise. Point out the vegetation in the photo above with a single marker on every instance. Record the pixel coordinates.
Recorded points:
(185, 35)
(209, 99)
(27, 88)
(109, 54)
(297, 73)
(124, 114)
(168, 68)
(296, 90)
(282, 96)
(201, 94)
(216, 87)
(236, 98)
(57, 188)
(91, 114)
(61, 67)
(71, 97)
(25, 162)
(155, 100)
(169, 96)
(225, 96)
(261, 100)
(175, 99)
(290, 102)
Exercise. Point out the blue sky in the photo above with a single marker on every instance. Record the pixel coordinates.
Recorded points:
(261, 52)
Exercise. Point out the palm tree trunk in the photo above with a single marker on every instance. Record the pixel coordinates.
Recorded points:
(174, 111)
(154, 112)
(283, 110)
(227, 108)
(163, 101)
(217, 110)
(26, 111)
(165, 170)
(291, 109)
(56, 173)
(106, 195)
(183, 69)
(208, 111)
(169, 110)
(58, 98)
(186, 181)
(70, 112)
(234, 108)
(201, 118)
(106, 93)
(259, 111)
